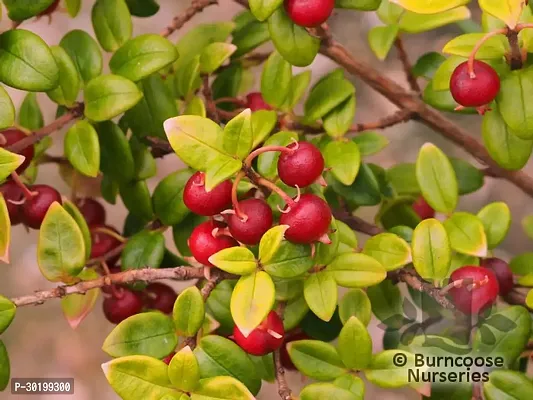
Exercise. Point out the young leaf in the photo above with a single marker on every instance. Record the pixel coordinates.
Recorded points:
(344, 160)
(353, 384)
(316, 359)
(263, 122)
(390, 250)
(143, 250)
(384, 372)
(252, 300)
(5, 368)
(9, 162)
(108, 96)
(30, 115)
(436, 178)
(289, 260)
(223, 387)
(61, 248)
(142, 56)
(513, 106)
(327, 94)
(356, 270)
(7, 109)
(136, 198)
(270, 242)
(75, 213)
(189, 312)
(7, 313)
(214, 55)
(267, 163)
(466, 234)
(355, 303)
(346, 235)
(113, 146)
(431, 249)
(355, 332)
(276, 80)
(183, 370)
(168, 197)
(529, 298)
(195, 106)
(27, 54)
(5, 231)
(66, 92)
(222, 167)
(508, 384)
(112, 24)
(85, 53)
(132, 377)
(381, 39)
(238, 136)
(318, 391)
(496, 220)
(235, 260)
(320, 292)
(508, 11)
(82, 148)
(293, 42)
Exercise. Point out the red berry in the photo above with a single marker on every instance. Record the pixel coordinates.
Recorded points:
(479, 298)
(255, 102)
(284, 357)
(11, 137)
(503, 273)
(11, 191)
(102, 243)
(264, 339)
(478, 91)
(423, 209)
(93, 212)
(203, 244)
(34, 209)
(122, 305)
(158, 296)
(51, 8)
(206, 203)
(308, 220)
(168, 358)
(302, 166)
(258, 222)
(309, 13)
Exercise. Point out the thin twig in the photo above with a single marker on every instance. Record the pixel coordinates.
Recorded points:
(180, 20)
(356, 223)
(284, 390)
(210, 105)
(420, 285)
(407, 67)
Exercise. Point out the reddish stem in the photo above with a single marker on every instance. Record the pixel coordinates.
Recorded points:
(28, 194)
(111, 233)
(266, 183)
(265, 149)
(234, 199)
(519, 27)
(478, 45)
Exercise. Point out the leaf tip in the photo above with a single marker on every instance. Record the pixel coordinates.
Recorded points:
(105, 367)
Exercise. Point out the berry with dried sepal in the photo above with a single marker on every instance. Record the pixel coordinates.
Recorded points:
(423, 209)
(302, 166)
(308, 219)
(264, 339)
(206, 240)
(255, 102)
(92, 210)
(35, 208)
(201, 202)
(121, 305)
(476, 291)
(257, 218)
(103, 243)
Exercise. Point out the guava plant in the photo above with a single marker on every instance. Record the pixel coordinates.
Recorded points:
(284, 274)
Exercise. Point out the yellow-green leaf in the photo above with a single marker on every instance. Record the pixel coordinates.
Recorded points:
(320, 292)
(221, 388)
(82, 148)
(496, 219)
(389, 249)
(183, 370)
(357, 270)
(7, 313)
(381, 39)
(9, 162)
(270, 242)
(235, 260)
(529, 299)
(5, 230)
(467, 234)
(431, 6)
(189, 312)
(494, 47)
(506, 10)
(431, 249)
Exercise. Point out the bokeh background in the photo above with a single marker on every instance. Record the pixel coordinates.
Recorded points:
(41, 343)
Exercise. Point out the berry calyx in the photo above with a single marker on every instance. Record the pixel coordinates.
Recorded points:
(255, 102)
(302, 166)
(122, 305)
(309, 13)
(12, 136)
(264, 339)
(258, 219)
(103, 243)
(35, 208)
(284, 357)
(203, 243)
(308, 220)
(475, 91)
(502, 271)
(13, 196)
(93, 211)
(477, 289)
(423, 209)
(158, 296)
(201, 202)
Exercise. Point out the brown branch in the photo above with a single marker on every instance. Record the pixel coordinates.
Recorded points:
(356, 223)
(420, 285)
(517, 297)
(407, 67)
(284, 390)
(210, 105)
(180, 20)
(515, 58)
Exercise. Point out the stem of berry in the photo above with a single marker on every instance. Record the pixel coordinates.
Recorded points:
(28, 194)
(472, 57)
(235, 200)
(519, 27)
(269, 185)
(116, 293)
(111, 233)
(265, 149)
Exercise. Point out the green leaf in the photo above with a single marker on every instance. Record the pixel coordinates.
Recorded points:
(218, 305)
(381, 39)
(214, 55)
(61, 249)
(527, 225)
(289, 260)
(508, 11)
(327, 94)
(264, 366)
(320, 292)
(344, 160)
(143, 9)
(5, 368)
(262, 9)
(529, 298)
(19, 10)
(30, 115)
(356, 270)
(195, 106)
(109, 189)
(353, 384)
(223, 387)
(293, 42)
(235, 260)
(383, 372)
(168, 197)
(416, 23)
(9, 162)
(496, 220)
(276, 80)
(354, 331)
(386, 302)
(26, 53)
(427, 65)
(267, 163)
(436, 178)
(218, 356)
(494, 47)
(249, 37)
(347, 235)
(271, 242)
(197, 39)
(143, 250)
(221, 168)
(67, 91)
(113, 146)
(142, 56)
(7, 313)
(431, 249)
(75, 213)
(513, 104)
(510, 385)
(73, 7)
(145, 165)
(7, 109)
(316, 359)
(325, 253)
(433, 7)
(363, 5)
(149, 333)
(82, 148)
(183, 370)
(370, 143)
(469, 178)
(466, 234)
(252, 300)
(85, 53)
(237, 136)
(263, 122)
(388, 249)
(187, 77)
(522, 264)
(138, 377)
(189, 312)
(112, 23)
(136, 198)
(355, 303)
(295, 311)
(318, 391)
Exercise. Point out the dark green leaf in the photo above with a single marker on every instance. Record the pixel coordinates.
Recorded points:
(114, 146)
(168, 197)
(427, 64)
(267, 162)
(137, 199)
(513, 104)
(370, 143)
(363, 5)
(386, 301)
(249, 37)
(19, 10)
(364, 191)
(218, 304)
(469, 178)
(145, 165)
(143, 250)
(5, 367)
(143, 8)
